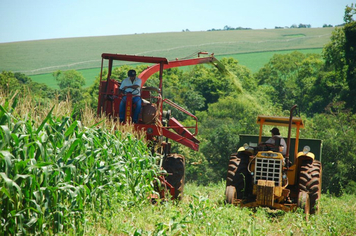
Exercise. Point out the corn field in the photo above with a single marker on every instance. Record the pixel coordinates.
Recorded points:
(52, 171)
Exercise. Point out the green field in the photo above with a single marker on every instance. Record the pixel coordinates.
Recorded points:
(253, 61)
(45, 56)
(252, 48)
(48, 79)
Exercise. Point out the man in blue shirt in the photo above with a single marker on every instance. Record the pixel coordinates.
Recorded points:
(131, 84)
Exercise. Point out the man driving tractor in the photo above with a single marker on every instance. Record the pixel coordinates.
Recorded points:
(277, 139)
(131, 84)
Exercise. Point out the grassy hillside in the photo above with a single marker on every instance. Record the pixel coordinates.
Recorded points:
(255, 60)
(45, 56)
(48, 79)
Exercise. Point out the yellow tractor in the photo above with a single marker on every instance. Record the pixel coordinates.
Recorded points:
(259, 174)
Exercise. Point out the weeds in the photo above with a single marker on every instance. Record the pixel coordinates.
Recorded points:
(202, 212)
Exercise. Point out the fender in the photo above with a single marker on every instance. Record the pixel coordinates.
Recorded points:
(309, 155)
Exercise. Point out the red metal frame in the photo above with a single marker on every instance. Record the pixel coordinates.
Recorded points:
(178, 63)
(165, 183)
(109, 96)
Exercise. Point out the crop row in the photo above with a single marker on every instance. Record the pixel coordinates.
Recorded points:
(50, 174)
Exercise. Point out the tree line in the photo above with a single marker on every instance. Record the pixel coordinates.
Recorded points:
(293, 26)
(323, 86)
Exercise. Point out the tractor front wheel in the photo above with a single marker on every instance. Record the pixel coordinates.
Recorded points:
(304, 202)
(230, 194)
(310, 182)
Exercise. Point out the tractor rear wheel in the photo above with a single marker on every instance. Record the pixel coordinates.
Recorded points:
(243, 178)
(230, 191)
(239, 176)
(310, 182)
(234, 163)
(174, 164)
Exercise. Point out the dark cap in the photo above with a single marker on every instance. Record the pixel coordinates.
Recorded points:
(275, 131)
(131, 73)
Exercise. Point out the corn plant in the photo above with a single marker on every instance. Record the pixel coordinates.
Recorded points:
(52, 171)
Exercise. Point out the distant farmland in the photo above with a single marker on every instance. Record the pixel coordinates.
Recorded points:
(252, 48)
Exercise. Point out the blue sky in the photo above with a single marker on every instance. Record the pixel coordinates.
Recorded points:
(23, 20)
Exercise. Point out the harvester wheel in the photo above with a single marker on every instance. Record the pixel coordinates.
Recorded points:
(230, 194)
(310, 182)
(174, 164)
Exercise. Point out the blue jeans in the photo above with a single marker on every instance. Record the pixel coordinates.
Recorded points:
(135, 100)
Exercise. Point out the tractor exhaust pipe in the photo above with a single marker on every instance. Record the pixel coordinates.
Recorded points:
(289, 134)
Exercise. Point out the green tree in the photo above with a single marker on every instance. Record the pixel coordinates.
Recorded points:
(8, 82)
(333, 52)
(340, 62)
(38, 90)
(22, 78)
(212, 84)
(69, 79)
(70, 83)
(332, 84)
(205, 83)
(279, 73)
(350, 55)
(92, 92)
(311, 93)
(337, 128)
(291, 79)
(349, 12)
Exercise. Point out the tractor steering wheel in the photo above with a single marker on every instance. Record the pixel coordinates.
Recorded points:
(265, 146)
(123, 91)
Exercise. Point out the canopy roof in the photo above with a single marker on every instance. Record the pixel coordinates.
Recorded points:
(280, 121)
(134, 58)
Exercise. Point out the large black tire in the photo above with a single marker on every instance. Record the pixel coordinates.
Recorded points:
(234, 163)
(230, 191)
(174, 164)
(304, 202)
(239, 176)
(243, 178)
(310, 182)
